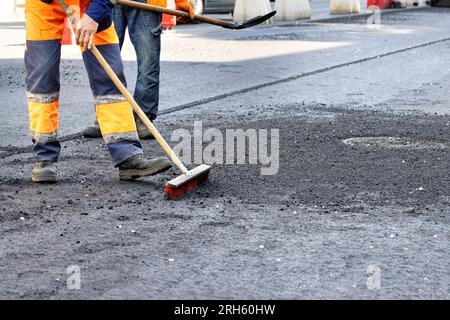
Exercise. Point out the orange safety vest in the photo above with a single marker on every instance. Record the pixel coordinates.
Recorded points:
(162, 3)
(159, 3)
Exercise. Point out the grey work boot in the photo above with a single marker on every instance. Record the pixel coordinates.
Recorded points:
(44, 171)
(142, 130)
(137, 166)
(92, 131)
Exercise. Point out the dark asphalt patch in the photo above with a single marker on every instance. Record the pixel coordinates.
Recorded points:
(316, 168)
(310, 231)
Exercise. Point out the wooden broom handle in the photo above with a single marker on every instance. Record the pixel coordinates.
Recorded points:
(138, 110)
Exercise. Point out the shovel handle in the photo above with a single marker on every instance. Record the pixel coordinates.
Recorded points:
(178, 13)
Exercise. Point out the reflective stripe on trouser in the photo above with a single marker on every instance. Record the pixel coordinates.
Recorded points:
(45, 25)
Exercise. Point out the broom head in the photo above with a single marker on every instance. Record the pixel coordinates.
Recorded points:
(184, 183)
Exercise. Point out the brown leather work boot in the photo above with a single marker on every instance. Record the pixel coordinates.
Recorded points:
(138, 166)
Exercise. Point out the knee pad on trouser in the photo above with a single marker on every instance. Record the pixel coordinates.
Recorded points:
(118, 127)
(42, 81)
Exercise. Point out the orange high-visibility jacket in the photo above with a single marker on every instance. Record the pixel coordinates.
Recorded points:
(162, 3)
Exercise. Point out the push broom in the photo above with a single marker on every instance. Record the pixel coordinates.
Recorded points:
(189, 179)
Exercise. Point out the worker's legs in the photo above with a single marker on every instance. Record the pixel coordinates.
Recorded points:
(114, 113)
(44, 25)
(145, 28)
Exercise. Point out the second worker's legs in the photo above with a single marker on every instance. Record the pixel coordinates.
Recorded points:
(145, 33)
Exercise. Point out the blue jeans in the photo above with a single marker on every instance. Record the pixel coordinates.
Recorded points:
(144, 29)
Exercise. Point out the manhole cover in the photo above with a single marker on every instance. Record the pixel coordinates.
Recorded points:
(393, 143)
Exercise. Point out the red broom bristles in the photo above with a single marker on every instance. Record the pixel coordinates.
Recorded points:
(172, 193)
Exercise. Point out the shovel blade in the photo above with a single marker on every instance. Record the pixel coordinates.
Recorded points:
(255, 21)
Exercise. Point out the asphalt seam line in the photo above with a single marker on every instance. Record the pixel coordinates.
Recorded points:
(11, 151)
(295, 77)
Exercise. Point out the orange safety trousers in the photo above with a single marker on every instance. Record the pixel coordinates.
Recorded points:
(44, 26)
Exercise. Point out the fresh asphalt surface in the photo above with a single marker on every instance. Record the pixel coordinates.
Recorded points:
(334, 211)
